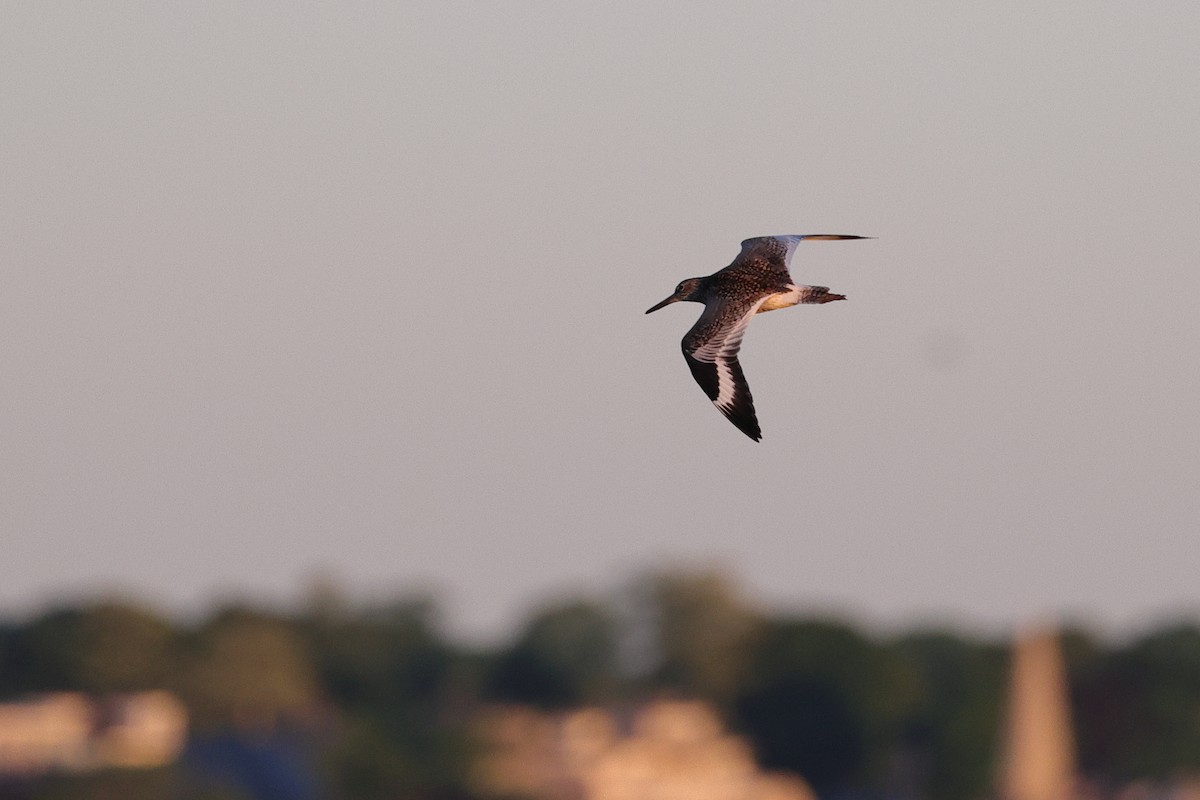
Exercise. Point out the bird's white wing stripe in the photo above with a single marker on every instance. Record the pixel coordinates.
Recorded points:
(725, 384)
(729, 350)
(723, 350)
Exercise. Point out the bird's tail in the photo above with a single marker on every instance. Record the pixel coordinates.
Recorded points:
(819, 294)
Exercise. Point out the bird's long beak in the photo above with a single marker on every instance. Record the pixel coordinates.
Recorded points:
(667, 302)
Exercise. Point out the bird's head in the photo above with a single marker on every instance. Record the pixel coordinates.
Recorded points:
(686, 290)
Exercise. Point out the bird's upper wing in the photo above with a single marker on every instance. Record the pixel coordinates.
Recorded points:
(766, 256)
(769, 255)
(710, 349)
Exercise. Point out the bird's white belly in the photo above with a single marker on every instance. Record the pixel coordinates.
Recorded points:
(781, 300)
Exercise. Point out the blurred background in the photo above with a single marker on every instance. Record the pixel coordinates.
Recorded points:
(339, 459)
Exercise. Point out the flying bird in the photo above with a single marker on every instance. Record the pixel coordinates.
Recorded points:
(755, 282)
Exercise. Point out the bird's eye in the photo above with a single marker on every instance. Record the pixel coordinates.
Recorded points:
(679, 289)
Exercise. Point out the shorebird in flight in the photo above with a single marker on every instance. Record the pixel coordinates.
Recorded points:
(755, 282)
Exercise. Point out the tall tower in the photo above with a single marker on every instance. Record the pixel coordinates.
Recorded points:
(1039, 749)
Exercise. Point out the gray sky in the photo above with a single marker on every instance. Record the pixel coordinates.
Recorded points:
(293, 288)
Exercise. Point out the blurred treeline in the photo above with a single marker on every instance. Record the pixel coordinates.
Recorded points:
(386, 699)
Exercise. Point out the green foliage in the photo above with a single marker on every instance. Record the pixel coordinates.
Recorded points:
(390, 698)
(705, 630)
(403, 694)
(1138, 708)
(107, 647)
(123, 648)
(390, 657)
(44, 655)
(249, 671)
(566, 656)
(115, 784)
(954, 728)
(826, 702)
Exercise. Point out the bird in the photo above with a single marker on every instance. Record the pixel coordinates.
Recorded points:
(757, 281)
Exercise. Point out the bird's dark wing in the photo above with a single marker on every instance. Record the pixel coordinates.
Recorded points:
(768, 256)
(710, 349)
(765, 257)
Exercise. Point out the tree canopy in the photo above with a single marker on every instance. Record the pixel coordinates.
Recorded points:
(387, 698)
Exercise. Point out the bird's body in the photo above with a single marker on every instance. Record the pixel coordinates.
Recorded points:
(756, 281)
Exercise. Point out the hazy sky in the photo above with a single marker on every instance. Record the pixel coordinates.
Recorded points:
(358, 289)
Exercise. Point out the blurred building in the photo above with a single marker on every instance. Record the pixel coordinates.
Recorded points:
(70, 732)
(45, 733)
(1039, 747)
(671, 751)
(145, 729)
